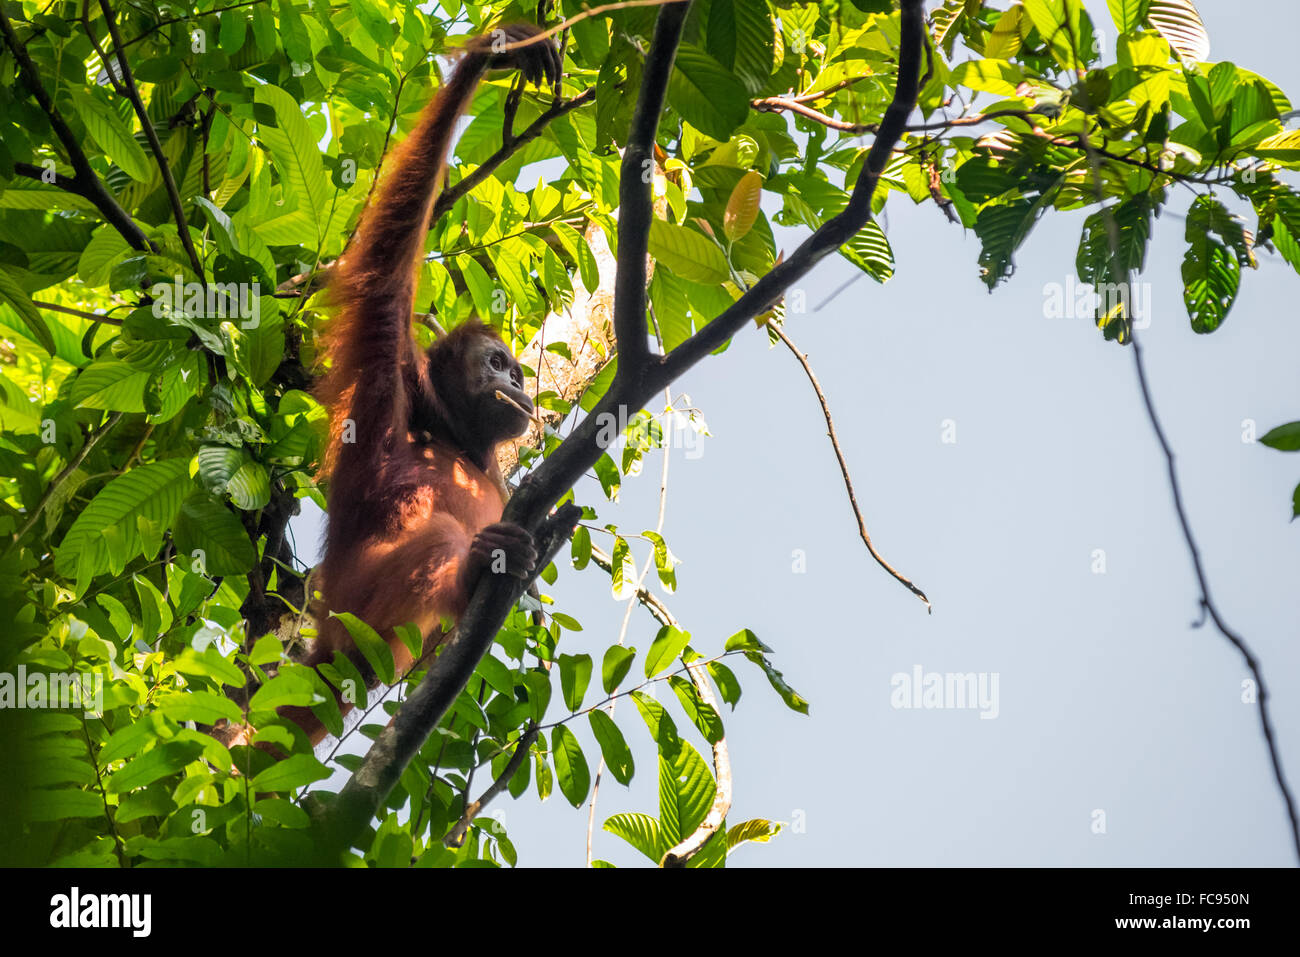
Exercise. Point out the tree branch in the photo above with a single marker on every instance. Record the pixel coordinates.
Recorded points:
(132, 93)
(635, 189)
(831, 234)
(456, 835)
(449, 196)
(86, 183)
(844, 466)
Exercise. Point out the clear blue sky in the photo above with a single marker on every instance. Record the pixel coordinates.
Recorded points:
(1109, 699)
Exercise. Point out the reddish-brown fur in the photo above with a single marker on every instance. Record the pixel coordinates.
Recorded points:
(413, 478)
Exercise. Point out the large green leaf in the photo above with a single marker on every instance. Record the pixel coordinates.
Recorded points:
(570, 765)
(641, 831)
(113, 136)
(688, 253)
(613, 747)
(151, 492)
(686, 790)
(12, 295)
(211, 535)
(1179, 22)
(1216, 249)
(707, 94)
(296, 154)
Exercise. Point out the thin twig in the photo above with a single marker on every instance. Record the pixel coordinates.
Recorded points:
(68, 310)
(844, 466)
(456, 835)
(449, 196)
(61, 477)
(1119, 275)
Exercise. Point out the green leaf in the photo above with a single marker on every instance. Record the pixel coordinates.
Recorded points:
(725, 679)
(62, 804)
(686, 791)
(538, 682)
(668, 644)
(992, 76)
(297, 42)
(575, 674)
(371, 645)
(294, 148)
(793, 700)
(1211, 273)
(570, 765)
(756, 829)
(12, 295)
(209, 534)
(497, 674)
(106, 246)
(1283, 148)
(113, 136)
(283, 689)
(702, 715)
(662, 728)
(614, 668)
(293, 772)
(1065, 27)
(1001, 230)
(581, 547)
(641, 831)
(1004, 39)
(612, 746)
(152, 492)
(224, 470)
(688, 253)
(869, 250)
(576, 246)
(209, 663)
(707, 94)
(1127, 14)
(110, 384)
(1284, 438)
(1132, 219)
(202, 706)
(1179, 22)
(746, 640)
(665, 561)
(163, 760)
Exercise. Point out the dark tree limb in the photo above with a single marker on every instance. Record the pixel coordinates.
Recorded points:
(342, 821)
(831, 234)
(85, 183)
(132, 93)
(635, 194)
(449, 196)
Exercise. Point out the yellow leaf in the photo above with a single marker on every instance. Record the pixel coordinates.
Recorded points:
(742, 207)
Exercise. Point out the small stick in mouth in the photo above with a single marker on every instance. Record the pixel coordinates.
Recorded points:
(509, 401)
